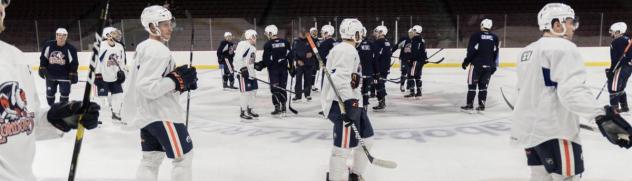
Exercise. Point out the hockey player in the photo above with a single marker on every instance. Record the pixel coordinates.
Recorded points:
(382, 60)
(225, 54)
(418, 59)
(305, 63)
(275, 57)
(22, 120)
(552, 96)
(346, 76)
(365, 51)
(620, 67)
(109, 72)
(482, 53)
(58, 65)
(404, 46)
(245, 63)
(326, 44)
(151, 100)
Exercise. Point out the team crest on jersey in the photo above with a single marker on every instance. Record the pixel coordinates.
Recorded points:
(56, 57)
(407, 47)
(113, 60)
(14, 115)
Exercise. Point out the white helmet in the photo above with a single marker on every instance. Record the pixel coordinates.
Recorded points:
(271, 30)
(154, 15)
(250, 34)
(106, 32)
(620, 27)
(417, 29)
(62, 31)
(382, 29)
(487, 24)
(328, 29)
(349, 28)
(227, 34)
(553, 11)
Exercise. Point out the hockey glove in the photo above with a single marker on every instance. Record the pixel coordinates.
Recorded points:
(609, 74)
(355, 80)
(352, 112)
(244, 73)
(65, 115)
(74, 78)
(259, 66)
(616, 129)
(465, 64)
(184, 77)
(291, 70)
(98, 80)
(43, 72)
(120, 77)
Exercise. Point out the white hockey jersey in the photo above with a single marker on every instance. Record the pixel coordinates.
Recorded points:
(342, 61)
(245, 57)
(552, 93)
(22, 120)
(111, 60)
(149, 95)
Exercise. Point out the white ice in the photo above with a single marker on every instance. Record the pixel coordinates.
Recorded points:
(429, 138)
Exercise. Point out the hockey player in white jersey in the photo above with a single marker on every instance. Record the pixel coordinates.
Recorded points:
(110, 72)
(22, 120)
(151, 100)
(553, 96)
(244, 61)
(346, 76)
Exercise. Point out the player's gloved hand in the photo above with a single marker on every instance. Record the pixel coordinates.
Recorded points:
(184, 77)
(465, 64)
(43, 72)
(221, 60)
(65, 115)
(291, 70)
(355, 80)
(74, 78)
(120, 76)
(616, 129)
(609, 74)
(244, 72)
(259, 66)
(98, 80)
(353, 112)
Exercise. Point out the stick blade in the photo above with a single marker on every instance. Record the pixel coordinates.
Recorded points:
(384, 163)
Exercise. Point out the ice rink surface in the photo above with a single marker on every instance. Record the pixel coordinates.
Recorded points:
(430, 138)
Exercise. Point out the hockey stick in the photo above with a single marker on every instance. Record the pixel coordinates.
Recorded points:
(437, 62)
(583, 126)
(602, 87)
(84, 107)
(188, 14)
(374, 161)
(289, 104)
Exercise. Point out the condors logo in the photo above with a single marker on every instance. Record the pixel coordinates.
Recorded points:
(14, 116)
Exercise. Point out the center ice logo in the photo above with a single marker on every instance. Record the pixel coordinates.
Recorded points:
(14, 115)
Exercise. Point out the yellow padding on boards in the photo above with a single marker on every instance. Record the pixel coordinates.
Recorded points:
(441, 65)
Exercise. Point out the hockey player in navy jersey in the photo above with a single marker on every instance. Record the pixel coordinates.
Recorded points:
(404, 46)
(306, 64)
(58, 65)
(382, 64)
(276, 58)
(225, 54)
(620, 67)
(418, 58)
(365, 51)
(481, 63)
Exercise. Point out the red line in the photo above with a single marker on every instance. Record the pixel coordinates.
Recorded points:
(173, 140)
